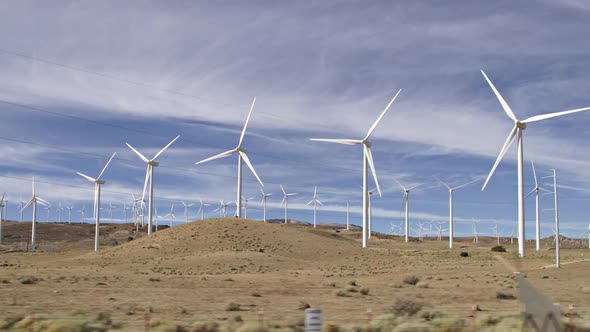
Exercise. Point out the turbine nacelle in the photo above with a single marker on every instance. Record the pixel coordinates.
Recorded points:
(153, 163)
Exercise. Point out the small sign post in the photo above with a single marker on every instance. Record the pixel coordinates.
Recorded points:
(314, 320)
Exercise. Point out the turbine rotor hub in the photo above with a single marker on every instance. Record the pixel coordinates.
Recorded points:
(153, 163)
(367, 143)
(520, 125)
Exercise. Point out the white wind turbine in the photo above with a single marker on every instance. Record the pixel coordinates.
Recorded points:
(370, 212)
(264, 196)
(406, 202)
(587, 233)
(171, 215)
(246, 200)
(315, 200)
(439, 229)
(536, 190)
(82, 211)
(125, 209)
(149, 175)
(367, 162)
(496, 233)
(202, 207)
(475, 234)
(48, 209)
(186, 206)
(69, 213)
(242, 155)
(285, 201)
(111, 209)
(223, 208)
(59, 209)
(20, 207)
(517, 130)
(451, 221)
(393, 228)
(33, 201)
(556, 210)
(97, 184)
(1, 211)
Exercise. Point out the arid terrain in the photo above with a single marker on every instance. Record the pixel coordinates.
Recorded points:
(214, 269)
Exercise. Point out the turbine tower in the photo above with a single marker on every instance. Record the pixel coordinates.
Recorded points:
(536, 190)
(186, 206)
(264, 196)
(1, 210)
(371, 212)
(97, 183)
(246, 200)
(406, 202)
(149, 175)
(367, 162)
(451, 221)
(315, 200)
(517, 131)
(285, 201)
(82, 211)
(69, 213)
(223, 208)
(202, 208)
(242, 155)
(33, 201)
(171, 215)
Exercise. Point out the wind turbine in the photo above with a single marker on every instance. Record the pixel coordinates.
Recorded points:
(496, 233)
(202, 208)
(48, 209)
(20, 207)
(371, 212)
(59, 209)
(33, 201)
(97, 183)
(588, 233)
(406, 202)
(186, 206)
(69, 213)
(246, 200)
(171, 215)
(440, 230)
(125, 209)
(517, 130)
(149, 175)
(536, 190)
(367, 162)
(393, 227)
(111, 208)
(475, 234)
(264, 196)
(82, 210)
(1, 211)
(315, 200)
(223, 208)
(242, 155)
(451, 221)
(556, 209)
(285, 201)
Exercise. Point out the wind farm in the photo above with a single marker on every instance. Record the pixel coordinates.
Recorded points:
(346, 112)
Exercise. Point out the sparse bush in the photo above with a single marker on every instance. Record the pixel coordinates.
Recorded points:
(464, 254)
(342, 293)
(29, 280)
(332, 328)
(505, 296)
(232, 306)
(205, 326)
(303, 305)
(331, 284)
(422, 284)
(352, 283)
(397, 285)
(499, 249)
(406, 306)
(411, 280)
(256, 295)
(365, 290)
(351, 289)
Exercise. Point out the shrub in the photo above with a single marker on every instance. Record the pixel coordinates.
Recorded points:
(351, 289)
(342, 293)
(352, 283)
(30, 280)
(499, 249)
(365, 290)
(422, 284)
(411, 280)
(232, 306)
(464, 254)
(303, 305)
(331, 284)
(397, 285)
(406, 307)
(505, 296)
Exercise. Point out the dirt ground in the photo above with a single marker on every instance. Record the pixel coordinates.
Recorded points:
(194, 271)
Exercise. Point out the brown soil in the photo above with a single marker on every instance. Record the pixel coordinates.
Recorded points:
(194, 271)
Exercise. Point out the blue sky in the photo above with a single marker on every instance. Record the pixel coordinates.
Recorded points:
(147, 72)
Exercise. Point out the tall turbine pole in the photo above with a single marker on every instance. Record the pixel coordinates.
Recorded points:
(348, 220)
(365, 195)
(451, 223)
(538, 221)
(370, 214)
(407, 194)
(557, 251)
(521, 236)
(151, 200)
(239, 198)
(34, 222)
(97, 209)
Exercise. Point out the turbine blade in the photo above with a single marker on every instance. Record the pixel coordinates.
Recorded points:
(338, 140)
(466, 184)
(105, 166)
(246, 124)
(381, 116)
(535, 174)
(217, 156)
(400, 184)
(320, 203)
(369, 157)
(444, 184)
(27, 205)
(166, 147)
(138, 153)
(43, 202)
(503, 102)
(509, 140)
(86, 177)
(245, 157)
(309, 202)
(532, 191)
(147, 176)
(283, 189)
(416, 186)
(552, 115)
